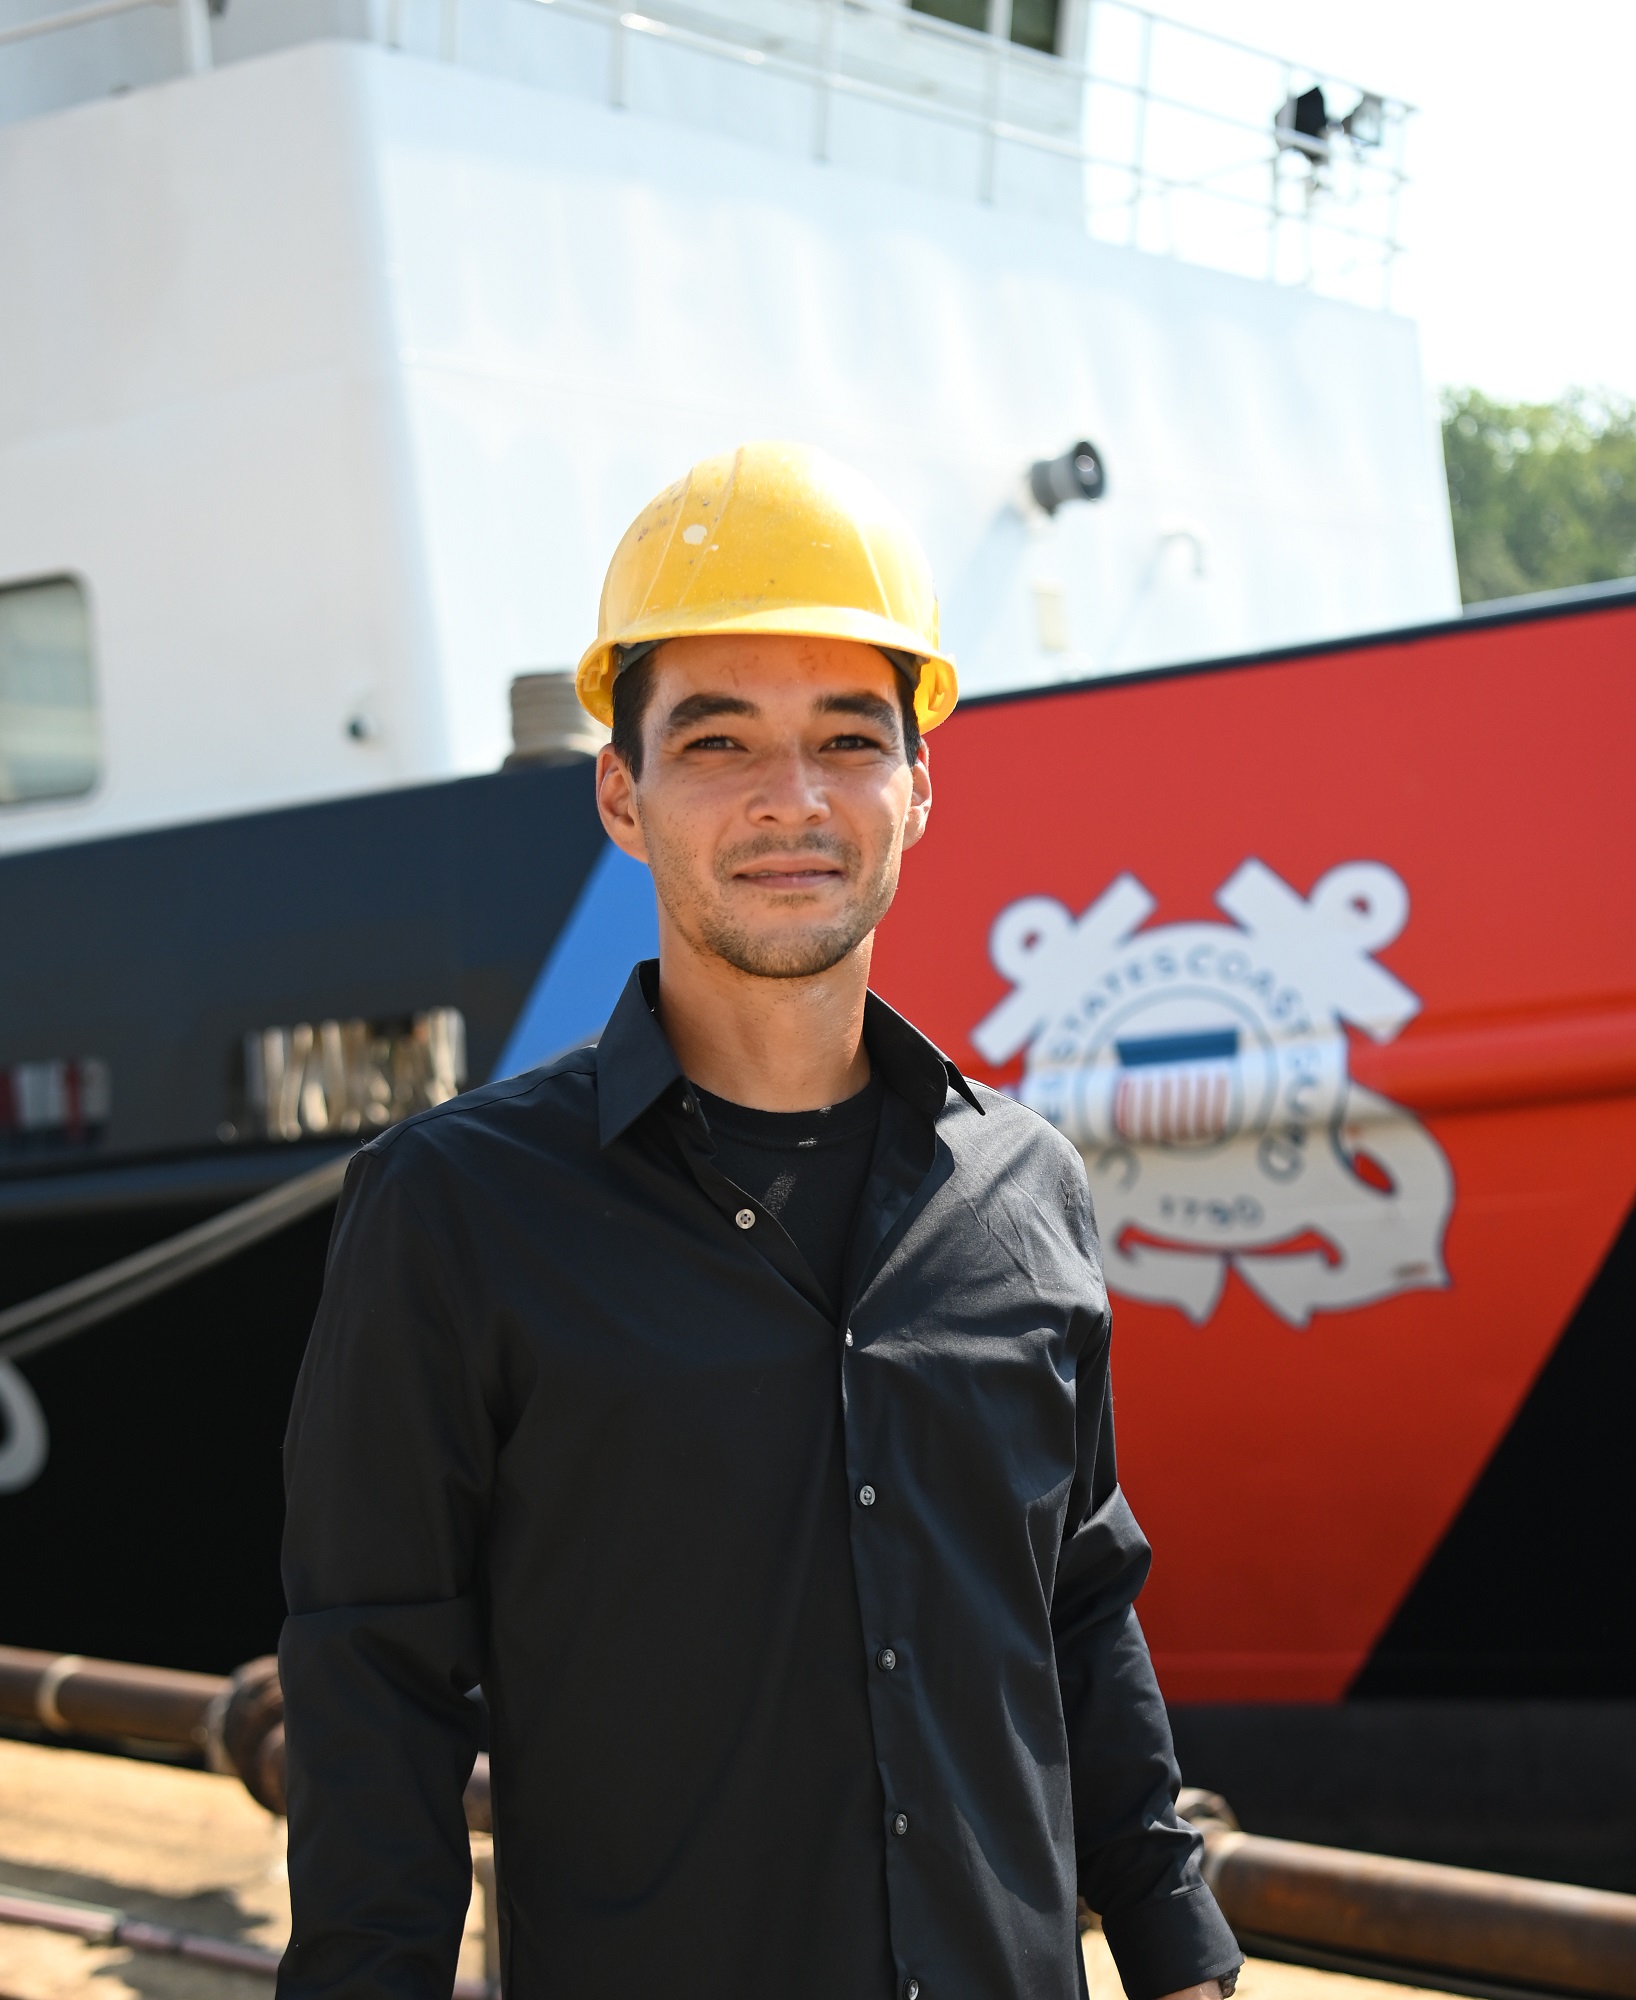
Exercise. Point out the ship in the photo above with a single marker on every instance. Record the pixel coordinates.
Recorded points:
(341, 342)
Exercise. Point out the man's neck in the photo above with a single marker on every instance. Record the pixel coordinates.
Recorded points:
(771, 1044)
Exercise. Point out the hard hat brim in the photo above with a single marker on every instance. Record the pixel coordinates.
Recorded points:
(936, 691)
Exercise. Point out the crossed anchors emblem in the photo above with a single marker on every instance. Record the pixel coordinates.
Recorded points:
(1201, 1069)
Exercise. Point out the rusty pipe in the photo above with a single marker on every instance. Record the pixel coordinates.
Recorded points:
(1416, 1915)
(237, 1722)
(67, 1694)
(1408, 1914)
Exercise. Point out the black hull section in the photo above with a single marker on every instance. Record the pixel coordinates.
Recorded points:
(1530, 1593)
(1541, 1788)
(152, 1532)
(155, 955)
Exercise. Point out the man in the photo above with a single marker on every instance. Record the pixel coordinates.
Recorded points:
(731, 1401)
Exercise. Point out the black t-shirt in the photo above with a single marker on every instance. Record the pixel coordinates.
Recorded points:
(807, 1168)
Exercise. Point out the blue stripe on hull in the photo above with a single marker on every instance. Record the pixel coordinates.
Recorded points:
(614, 923)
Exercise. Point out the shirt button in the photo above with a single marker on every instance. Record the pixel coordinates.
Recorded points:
(886, 1659)
(849, 1336)
(746, 1218)
(866, 1496)
(900, 1826)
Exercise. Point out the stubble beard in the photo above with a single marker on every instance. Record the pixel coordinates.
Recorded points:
(709, 924)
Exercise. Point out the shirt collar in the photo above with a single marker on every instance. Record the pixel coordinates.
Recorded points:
(914, 1067)
(635, 1064)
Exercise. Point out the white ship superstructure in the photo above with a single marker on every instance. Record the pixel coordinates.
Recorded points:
(339, 341)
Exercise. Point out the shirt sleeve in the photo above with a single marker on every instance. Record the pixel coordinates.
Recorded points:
(388, 1465)
(1138, 1860)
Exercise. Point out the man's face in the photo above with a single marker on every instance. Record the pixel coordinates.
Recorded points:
(774, 802)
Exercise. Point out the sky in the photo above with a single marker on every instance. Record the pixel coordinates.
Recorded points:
(1521, 218)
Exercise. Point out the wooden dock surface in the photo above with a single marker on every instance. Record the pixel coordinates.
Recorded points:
(193, 1850)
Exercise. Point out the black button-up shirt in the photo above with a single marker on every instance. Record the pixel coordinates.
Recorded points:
(807, 1642)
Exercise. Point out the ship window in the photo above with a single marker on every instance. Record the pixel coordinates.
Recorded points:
(1033, 22)
(50, 742)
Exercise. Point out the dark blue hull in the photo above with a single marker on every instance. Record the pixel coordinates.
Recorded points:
(150, 1530)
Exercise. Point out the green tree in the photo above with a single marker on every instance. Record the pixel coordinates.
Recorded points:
(1542, 494)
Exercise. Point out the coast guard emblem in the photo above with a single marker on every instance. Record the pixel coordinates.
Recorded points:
(1201, 1069)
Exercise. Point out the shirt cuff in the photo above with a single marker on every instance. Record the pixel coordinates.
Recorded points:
(1171, 1943)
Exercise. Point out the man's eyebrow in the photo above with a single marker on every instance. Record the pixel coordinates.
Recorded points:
(695, 708)
(873, 707)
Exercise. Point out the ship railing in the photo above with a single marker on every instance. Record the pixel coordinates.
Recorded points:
(1156, 134)
(192, 21)
(1158, 166)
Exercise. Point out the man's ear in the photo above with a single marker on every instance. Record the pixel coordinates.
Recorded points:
(920, 797)
(616, 802)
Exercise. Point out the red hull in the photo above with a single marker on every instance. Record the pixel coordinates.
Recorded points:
(1295, 1478)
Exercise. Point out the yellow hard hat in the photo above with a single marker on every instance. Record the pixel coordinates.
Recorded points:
(770, 538)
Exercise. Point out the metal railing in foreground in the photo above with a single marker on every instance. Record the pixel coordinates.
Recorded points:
(1184, 141)
(235, 1725)
(1457, 1928)
(1462, 1929)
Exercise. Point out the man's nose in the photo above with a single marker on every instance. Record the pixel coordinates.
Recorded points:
(789, 790)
